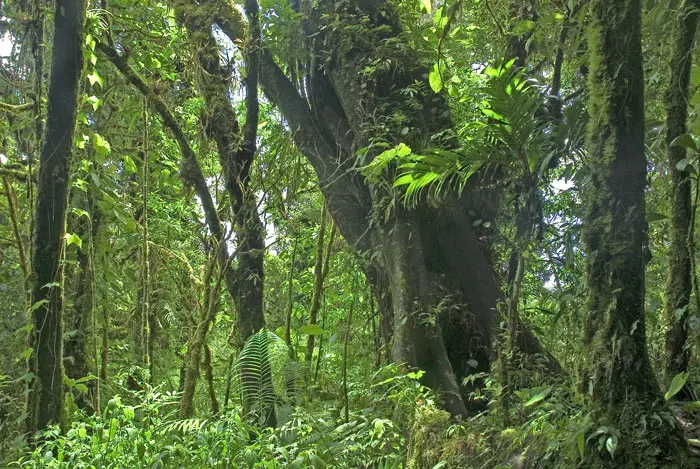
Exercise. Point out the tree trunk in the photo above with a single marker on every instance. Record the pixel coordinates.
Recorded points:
(209, 377)
(76, 347)
(197, 343)
(618, 379)
(45, 402)
(679, 286)
(318, 289)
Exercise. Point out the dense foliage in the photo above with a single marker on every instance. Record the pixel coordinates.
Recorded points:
(349, 233)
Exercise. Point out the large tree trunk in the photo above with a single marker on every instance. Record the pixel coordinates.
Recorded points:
(45, 403)
(330, 124)
(618, 379)
(679, 286)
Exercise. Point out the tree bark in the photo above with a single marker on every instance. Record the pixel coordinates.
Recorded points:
(618, 379)
(209, 377)
(318, 289)
(679, 285)
(197, 343)
(45, 402)
(76, 347)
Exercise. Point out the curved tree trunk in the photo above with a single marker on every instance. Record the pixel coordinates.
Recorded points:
(679, 286)
(618, 379)
(45, 402)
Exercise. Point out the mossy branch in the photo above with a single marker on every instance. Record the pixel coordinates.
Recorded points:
(16, 108)
(190, 171)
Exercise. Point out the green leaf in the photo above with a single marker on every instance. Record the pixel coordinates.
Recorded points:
(426, 5)
(80, 212)
(113, 428)
(403, 150)
(81, 388)
(95, 77)
(581, 443)
(524, 26)
(310, 329)
(538, 397)
(72, 238)
(685, 141)
(26, 353)
(37, 305)
(129, 164)
(95, 102)
(435, 79)
(101, 145)
(654, 217)
(676, 385)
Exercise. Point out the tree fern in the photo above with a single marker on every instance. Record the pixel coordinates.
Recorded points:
(264, 374)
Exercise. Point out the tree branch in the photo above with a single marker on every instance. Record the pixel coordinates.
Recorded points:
(190, 171)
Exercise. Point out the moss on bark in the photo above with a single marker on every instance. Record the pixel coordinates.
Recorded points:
(618, 381)
(679, 285)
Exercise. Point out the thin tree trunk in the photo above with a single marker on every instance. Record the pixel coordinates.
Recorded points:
(209, 377)
(348, 330)
(14, 219)
(145, 260)
(197, 343)
(679, 285)
(290, 299)
(618, 379)
(318, 288)
(45, 401)
(104, 348)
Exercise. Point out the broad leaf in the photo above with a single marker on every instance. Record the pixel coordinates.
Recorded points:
(676, 385)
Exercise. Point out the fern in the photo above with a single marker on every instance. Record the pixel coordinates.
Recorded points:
(264, 374)
(514, 135)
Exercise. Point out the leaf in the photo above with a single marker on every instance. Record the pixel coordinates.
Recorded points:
(95, 77)
(676, 385)
(113, 428)
(685, 141)
(37, 305)
(683, 164)
(581, 443)
(72, 238)
(129, 164)
(654, 217)
(80, 212)
(435, 79)
(538, 397)
(426, 5)
(95, 102)
(311, 329)
(26, 353)
(101, 145)
(611, 445)
(524, 26)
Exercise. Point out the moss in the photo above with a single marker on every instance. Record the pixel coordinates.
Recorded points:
(428, 435)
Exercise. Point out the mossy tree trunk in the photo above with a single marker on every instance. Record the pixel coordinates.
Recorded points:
(679, 286)
(618, 379)
(45, 402)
